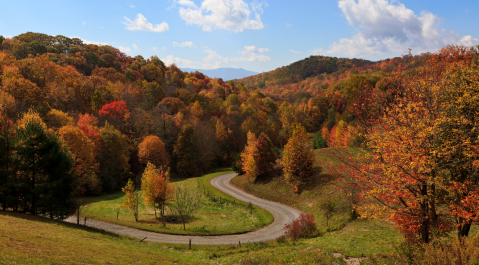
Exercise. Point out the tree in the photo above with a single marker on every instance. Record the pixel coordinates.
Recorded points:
(132, 200)
(57, 119)
(153, 95)
(319, 141)
(186, 152)
(116, 110)
(186, 203)
(45, 171)
(298, 159)
(152, 150)
(420, 167)
(224, 137)
(247, 156)
(96, 101)
(113, 158)
(7, 137)
(83, 152)
(156, 189)
(197, 111)
(265, 156)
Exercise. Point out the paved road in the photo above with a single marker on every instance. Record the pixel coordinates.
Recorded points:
(282, 215)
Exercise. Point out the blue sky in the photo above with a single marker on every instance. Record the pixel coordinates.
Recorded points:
(252, 34)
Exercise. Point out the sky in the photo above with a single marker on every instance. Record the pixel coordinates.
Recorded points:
(251, 34)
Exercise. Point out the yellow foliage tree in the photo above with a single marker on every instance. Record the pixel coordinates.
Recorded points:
(156, 188)
(57, 119)
(298, 159)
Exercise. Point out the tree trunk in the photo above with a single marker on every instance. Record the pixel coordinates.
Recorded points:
(463, 230)
(34, 203)
(424, 216)
(78, 215)
(184, 225)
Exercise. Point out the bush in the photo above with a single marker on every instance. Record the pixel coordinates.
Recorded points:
(304, 226)
(440, 251)
(319, 141)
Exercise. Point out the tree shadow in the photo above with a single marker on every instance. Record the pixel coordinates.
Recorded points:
(46, 220)
(268, 177)
(101, 198)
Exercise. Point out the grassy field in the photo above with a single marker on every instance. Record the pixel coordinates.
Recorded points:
(324, 192)
(219, 213)
(26, 239)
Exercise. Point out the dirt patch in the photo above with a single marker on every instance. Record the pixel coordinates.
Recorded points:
(349, 260)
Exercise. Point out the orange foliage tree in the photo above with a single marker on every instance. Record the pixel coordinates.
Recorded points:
(152, 150)
(83, 151)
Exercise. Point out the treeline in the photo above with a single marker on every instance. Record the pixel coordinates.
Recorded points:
(115, 113)
(317, 74)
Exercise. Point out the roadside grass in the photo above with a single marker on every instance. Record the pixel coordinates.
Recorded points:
(26, 239)
(219, 213)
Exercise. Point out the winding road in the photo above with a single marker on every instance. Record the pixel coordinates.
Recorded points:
(282, 215)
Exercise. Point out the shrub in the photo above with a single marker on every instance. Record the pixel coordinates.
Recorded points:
(319, 141)
(460, 251)
(304, 226)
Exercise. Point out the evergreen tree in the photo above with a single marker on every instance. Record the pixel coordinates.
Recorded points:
(113, 158)
(46, 181)
(186, 152)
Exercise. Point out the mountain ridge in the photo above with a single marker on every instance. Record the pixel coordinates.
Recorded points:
(224, 73)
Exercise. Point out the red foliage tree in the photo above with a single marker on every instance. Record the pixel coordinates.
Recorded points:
(115, 109)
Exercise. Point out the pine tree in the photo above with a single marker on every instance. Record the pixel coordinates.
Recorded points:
(45, 171)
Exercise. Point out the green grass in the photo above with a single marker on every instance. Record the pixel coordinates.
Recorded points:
(26, 239)
(323, 189)
(215, 216)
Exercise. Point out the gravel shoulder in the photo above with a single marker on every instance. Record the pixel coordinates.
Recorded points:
(282, 215)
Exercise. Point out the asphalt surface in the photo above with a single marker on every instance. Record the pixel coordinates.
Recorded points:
(282, 215)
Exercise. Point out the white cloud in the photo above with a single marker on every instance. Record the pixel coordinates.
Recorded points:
(90, 42)
(132, 6)
(156, 49)
(84, 23)
(318, 51)
(179, 62)
(135, 47)
(385, 27)
(293, 51)
(140, 23)
(288, 25)
(124, 49)
(186, 3)
(232, 15)
(253, 54)
(184, 44)
(213, 60)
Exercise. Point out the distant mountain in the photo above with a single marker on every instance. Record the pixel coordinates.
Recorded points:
(224, 73)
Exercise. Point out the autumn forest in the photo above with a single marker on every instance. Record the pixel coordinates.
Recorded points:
(83, 120)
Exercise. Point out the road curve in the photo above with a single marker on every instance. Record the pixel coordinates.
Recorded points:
(282, 215)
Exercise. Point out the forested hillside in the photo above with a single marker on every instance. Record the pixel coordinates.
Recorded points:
(312, 76)
(101, 116)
